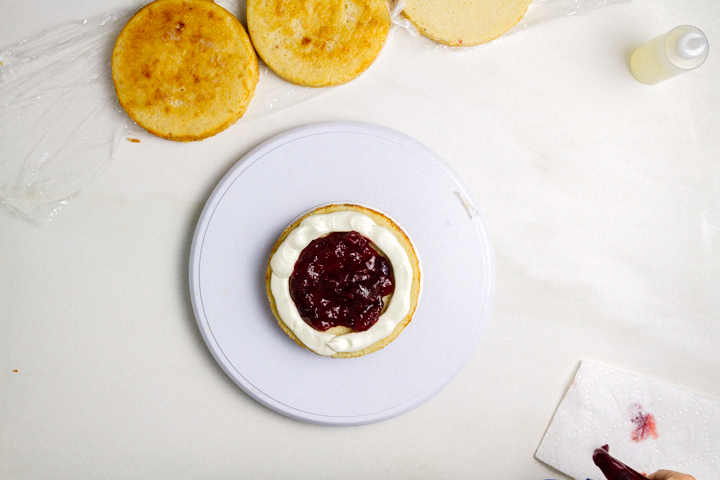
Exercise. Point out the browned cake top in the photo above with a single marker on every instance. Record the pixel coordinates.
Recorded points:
(184, 69)
(318, 42)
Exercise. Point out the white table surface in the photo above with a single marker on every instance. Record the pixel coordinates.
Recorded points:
(602, 197)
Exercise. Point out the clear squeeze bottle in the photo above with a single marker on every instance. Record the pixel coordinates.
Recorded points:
(680, 50)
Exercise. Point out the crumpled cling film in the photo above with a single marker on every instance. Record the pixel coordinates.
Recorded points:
(60, 115)
(59, 111)
(538, 12)
(57, 124)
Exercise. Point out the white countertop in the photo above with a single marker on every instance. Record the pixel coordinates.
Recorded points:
(602, 197)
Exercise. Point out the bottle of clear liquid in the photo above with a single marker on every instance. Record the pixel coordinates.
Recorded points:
(680, 50)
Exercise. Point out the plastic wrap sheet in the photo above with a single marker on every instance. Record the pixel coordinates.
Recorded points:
(60, 119)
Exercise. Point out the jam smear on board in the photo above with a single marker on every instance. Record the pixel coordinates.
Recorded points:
(340, 279)
(644, 424)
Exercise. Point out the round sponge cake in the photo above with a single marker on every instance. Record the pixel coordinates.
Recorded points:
(184, 69)
(407, 245)
(464, 22)
(318, 43)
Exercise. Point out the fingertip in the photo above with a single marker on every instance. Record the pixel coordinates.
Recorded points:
(669, 475)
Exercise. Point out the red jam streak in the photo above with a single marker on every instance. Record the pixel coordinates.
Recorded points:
(644, 424)
(340, 279)
(614, 469)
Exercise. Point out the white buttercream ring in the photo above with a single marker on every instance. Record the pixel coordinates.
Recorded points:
(387, 236)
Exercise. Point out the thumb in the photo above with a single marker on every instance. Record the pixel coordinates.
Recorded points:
(669, 475)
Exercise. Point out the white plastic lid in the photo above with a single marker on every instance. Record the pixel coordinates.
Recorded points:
(691, 45)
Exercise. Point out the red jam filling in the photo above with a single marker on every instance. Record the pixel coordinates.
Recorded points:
(340, 279)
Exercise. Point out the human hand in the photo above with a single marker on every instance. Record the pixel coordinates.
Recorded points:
(669, 475)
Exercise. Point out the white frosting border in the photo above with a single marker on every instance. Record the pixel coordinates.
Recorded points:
(283, 261)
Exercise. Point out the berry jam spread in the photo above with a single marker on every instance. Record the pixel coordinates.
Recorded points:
(339, 279)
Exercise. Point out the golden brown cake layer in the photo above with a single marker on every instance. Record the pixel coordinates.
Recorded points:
(318, 43)
(184, 69)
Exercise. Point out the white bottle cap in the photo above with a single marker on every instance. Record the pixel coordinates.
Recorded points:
(691, 45)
